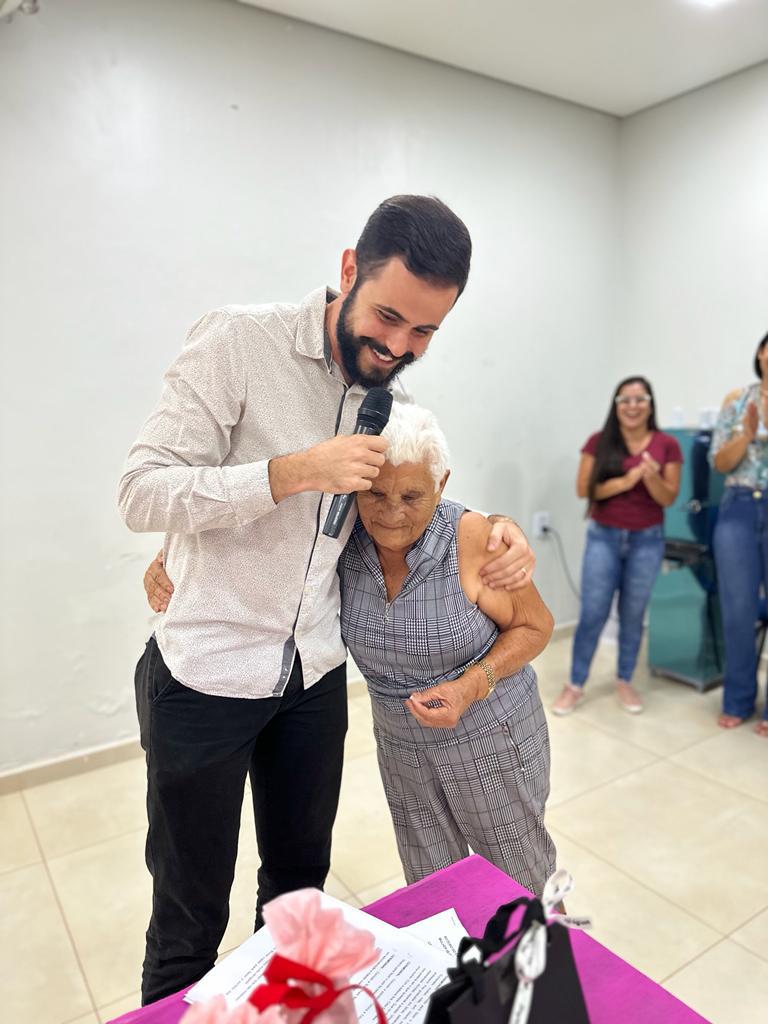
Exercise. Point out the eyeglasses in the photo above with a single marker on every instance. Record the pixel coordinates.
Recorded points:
(632, 399)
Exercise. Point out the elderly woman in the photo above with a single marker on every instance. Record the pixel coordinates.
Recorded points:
(461, 736)
(740, 450)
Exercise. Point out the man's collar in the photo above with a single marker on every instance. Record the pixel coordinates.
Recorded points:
(311, 338)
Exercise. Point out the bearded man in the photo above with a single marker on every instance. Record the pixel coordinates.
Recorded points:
(245, 675)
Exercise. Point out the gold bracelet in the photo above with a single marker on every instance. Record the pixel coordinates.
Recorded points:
(489, 676)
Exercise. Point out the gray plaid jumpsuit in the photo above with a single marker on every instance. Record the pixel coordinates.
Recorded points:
(482, 785)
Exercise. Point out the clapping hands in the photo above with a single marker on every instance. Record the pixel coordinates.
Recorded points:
(751, 421)
(649, 466)
(645, 469)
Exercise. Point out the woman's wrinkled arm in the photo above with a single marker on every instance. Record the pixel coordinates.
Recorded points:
(525, 627)
(157, 585)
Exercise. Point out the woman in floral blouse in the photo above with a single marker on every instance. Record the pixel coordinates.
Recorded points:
(740, 450)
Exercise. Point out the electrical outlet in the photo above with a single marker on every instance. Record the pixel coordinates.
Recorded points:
(542, 521)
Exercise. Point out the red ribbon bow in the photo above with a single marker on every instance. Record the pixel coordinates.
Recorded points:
(277, 990)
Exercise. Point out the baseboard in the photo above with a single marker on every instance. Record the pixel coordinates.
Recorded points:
(68, 765)
(564, 629)
(101, 757)
(124, 750)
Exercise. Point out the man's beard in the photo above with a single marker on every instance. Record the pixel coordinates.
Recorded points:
(351, 345)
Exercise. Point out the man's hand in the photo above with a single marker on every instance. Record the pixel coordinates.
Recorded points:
(157, 585)
(441, 706)
(340, 465)
(514, 568)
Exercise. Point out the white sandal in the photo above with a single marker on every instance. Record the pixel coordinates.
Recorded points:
(576, 696)
(629, 702)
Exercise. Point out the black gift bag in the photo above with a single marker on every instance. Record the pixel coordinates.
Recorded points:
(483, 993)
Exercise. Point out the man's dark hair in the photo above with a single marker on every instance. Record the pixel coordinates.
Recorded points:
(429, 238)
(760, 346)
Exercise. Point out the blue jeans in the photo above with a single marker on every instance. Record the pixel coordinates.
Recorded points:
(623, 560)
(741, 557)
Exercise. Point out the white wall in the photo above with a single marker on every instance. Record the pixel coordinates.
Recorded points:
(159, 159)
(694, 180)
(165, 158)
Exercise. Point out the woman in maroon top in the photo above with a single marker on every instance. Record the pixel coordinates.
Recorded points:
(629, 472)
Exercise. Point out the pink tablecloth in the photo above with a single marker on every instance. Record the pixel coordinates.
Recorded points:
(615, 992)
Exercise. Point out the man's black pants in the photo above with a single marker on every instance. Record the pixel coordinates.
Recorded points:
(199, 749)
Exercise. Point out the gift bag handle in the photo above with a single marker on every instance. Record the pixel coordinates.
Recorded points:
(494, 940)
(495, 934)
(495, 937)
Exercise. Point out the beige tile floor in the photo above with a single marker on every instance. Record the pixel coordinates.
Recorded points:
(662, 819)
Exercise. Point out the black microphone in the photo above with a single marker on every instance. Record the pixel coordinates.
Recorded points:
(372, 417)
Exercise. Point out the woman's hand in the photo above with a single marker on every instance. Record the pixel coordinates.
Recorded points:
(751, 422)
(441, 706)
(514, 568)
(663, 485)
(634, 476)
(649, 466)
(731, 452)
(157, 585)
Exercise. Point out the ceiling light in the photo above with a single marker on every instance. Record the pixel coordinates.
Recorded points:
(710, 3)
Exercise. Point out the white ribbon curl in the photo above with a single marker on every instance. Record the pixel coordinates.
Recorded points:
(531, 952)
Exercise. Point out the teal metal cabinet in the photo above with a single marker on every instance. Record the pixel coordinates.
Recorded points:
(685, 633)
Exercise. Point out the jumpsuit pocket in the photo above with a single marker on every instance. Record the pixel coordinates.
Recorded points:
(528, 738)
(531, 751)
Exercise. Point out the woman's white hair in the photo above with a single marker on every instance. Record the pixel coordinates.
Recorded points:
(414, 436)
